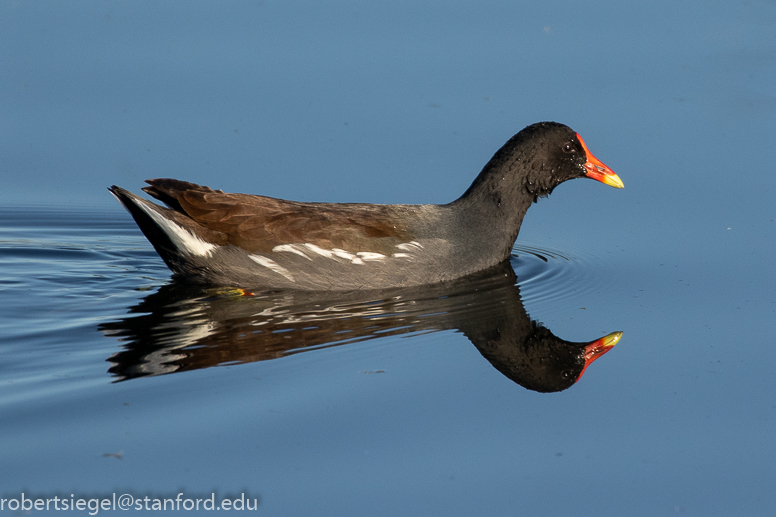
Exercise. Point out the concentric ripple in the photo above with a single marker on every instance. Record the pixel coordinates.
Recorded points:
(547, 275)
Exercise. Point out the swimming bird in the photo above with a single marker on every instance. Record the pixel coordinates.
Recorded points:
(209, 236)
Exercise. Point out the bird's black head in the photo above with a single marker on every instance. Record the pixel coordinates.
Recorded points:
(553, 153)
(554, 156)
(538, 159)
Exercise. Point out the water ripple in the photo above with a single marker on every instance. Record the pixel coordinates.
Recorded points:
(549, 275)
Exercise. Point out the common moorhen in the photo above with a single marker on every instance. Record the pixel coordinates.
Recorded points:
(255, 241)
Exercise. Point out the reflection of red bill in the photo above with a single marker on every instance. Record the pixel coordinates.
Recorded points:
(597, 170)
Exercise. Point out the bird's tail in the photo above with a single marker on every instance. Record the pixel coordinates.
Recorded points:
(168, 231)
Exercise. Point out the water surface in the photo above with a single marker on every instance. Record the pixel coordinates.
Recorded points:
(396, 397)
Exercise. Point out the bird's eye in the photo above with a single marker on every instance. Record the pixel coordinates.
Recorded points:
(568, 147)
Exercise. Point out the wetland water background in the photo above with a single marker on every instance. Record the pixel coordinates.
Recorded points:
(387, 405)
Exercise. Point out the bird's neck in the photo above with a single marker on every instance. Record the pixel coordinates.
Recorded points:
(491, 211)
(490, 221)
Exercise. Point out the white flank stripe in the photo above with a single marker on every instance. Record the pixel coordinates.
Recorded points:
(319, 251)
(334, 254)
(368, 255)
(344, 254)
(348, 256)
(291, 248)
(180, 237)
(410, 246)
(271, 264)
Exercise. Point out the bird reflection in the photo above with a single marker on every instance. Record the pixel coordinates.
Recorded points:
(184, 327)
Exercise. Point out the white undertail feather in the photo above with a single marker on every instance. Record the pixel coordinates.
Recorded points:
(183, 239)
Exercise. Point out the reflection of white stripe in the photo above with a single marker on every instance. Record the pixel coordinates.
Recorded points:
(180, 237)
(271, 264)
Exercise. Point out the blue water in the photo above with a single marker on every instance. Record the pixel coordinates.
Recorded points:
(114, 380)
